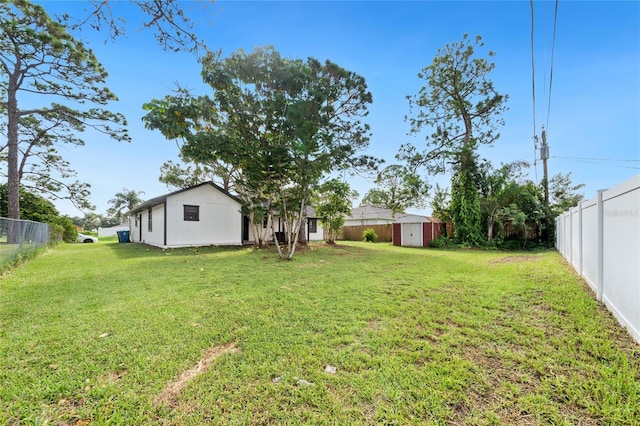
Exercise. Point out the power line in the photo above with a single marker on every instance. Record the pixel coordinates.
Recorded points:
(533, 92)
(553, 46)
(600, 162)
(595, 159)
(533, 71)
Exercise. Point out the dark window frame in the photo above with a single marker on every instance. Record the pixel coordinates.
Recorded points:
(193, 215)
(150, 220)
(313, 225)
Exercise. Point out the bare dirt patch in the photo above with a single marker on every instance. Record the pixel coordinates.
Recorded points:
(504, 387)
(515, 259)
(169, 395)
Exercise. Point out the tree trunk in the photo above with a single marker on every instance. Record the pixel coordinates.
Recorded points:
(13, 177)
(302, 236)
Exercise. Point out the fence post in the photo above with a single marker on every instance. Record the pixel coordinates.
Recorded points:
(570, 252)
(580, 232)
(600, 253)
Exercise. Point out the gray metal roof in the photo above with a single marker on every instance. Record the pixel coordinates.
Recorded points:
(370, 212)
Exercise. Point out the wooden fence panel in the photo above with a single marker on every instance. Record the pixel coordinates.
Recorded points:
(354, 233)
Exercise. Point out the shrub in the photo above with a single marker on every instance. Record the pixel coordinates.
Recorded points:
(69, 232)
(442, 242)
(57, 232)
(369, 235)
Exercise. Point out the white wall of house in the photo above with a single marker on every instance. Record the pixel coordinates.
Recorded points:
(278, 224)
(318, 235)
(139, 227)
(220, 220)
(155, 236)
(134, 229)
(217, 220)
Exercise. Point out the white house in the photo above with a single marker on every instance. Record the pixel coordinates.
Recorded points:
(369, 215)
(313, 231)
(200, 215)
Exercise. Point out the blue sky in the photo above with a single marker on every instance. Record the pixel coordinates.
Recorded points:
(595, 97)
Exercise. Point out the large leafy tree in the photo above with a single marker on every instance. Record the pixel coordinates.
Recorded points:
(466, 209)
(92, 221)
(531, 213)
(499, 190)
(280, 124)
(398, 188)
(38, 209)
(186, 173)
(460, 107)
(564, 193)
(332, 202)
(62, 87)
(441, 203)
(32, 206)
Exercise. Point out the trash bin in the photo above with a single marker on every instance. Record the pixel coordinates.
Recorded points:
(123, 236)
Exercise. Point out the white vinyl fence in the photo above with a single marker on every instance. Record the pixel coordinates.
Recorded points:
(109, 232)
(601, 240)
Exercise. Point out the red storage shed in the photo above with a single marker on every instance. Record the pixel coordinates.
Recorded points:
(416, 231)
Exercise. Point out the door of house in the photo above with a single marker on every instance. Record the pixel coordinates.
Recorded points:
(245, 228)
(412, 234)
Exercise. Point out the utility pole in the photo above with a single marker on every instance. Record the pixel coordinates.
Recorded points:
(544, 156)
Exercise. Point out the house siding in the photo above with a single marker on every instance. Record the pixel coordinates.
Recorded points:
(220, 219)
(319, 234)
(156, 235)
(278, 224)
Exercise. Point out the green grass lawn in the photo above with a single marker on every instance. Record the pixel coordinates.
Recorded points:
(114, 333)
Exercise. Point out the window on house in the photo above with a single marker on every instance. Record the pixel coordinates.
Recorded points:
(265, 220)
(150, 220)
(313, 225)
(191, 213)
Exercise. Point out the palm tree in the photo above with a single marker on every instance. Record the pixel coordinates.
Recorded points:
(123, 202)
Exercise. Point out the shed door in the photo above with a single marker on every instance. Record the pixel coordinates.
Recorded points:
(412, 234)
(397, 234)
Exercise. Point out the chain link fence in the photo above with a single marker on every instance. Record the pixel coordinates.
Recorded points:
(20, 239)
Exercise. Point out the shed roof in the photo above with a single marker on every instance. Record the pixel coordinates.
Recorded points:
(415, 218)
